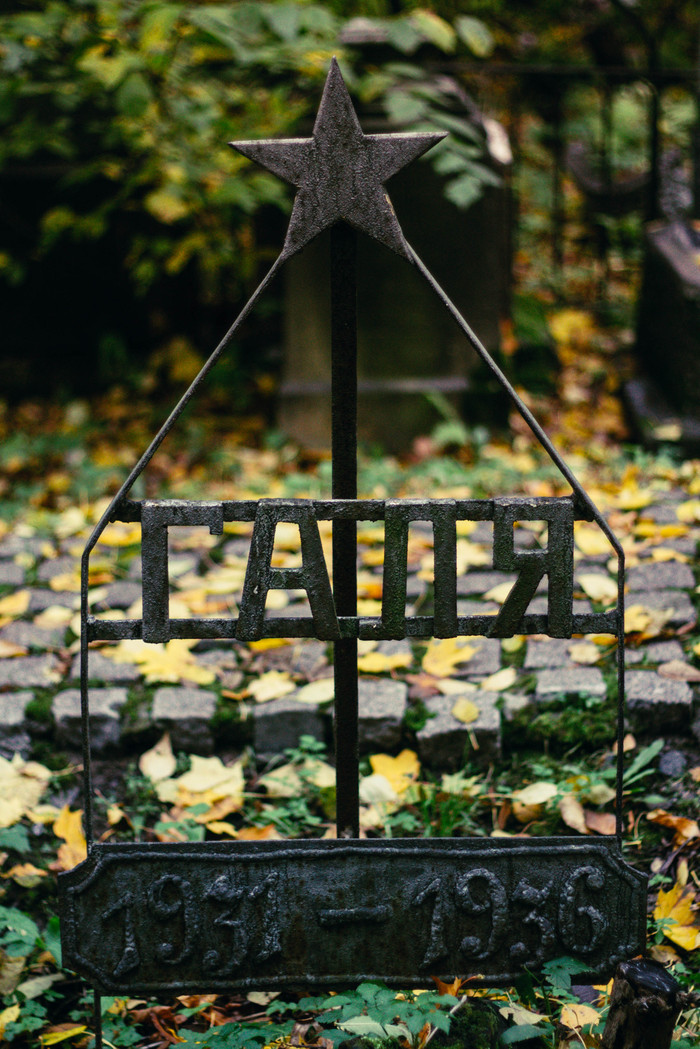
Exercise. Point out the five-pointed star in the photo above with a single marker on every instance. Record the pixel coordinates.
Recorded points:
(339, 173)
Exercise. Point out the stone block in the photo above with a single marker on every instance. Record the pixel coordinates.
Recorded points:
(40, 598)
(20, 632)
(55, 566)
(486, 659)
(447, 743)
(677, 600)
(29, 672)
(381, 708)
(122, 594)
(186, 714)
(554, 652)
(101, 668)
(11, 545)
(480, 582)
(657, 652)
(11, 574)
(105, 718)
(659, 575)
(14, 735)
(281, 723)
(657, 704)
(564, 681)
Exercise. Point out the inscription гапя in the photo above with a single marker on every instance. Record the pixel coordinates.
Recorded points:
(220, 916)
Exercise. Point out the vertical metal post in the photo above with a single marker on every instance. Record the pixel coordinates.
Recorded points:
(344, 486)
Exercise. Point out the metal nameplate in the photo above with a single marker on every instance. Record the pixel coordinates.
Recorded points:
(222, 916)
(529, 567)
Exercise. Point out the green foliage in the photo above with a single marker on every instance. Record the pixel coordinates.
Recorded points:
(375, 1011)
(19, 933)
(129, 108)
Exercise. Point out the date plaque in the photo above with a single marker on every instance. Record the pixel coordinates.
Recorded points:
(220, 916)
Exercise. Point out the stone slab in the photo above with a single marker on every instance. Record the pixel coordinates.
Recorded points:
(122, 594)
(41, 598)
(678, 600)
(478, 583)
(656, 704)
(445, 742)
(14, 734)
(280, 724)
(11, 545)
(554, 652)
(105, 718)
(381, 707)
(55, 566)
(568, 682)
(101, 668)
(659, 575)
(29, 672)
(186, 714)
(655, 653)
(11, 574)
(20, 632)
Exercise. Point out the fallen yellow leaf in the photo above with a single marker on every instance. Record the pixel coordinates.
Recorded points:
(400, 771)
(465, 711)
(586, 653)
(576, 1015)
(271, 685)
(572, 327)
(221, 827)
(8, 1016)
(8, 650)
(443, 655)
(171, 661)
(651, 530)
(600, 588)
(21, 785)
(633, 498)
(25, 874)
(158, 762)
(571, 811)
(208, 779)
(499, 593)
(646, 621)
(689, 512)
(69, 826)
(121, 533)
(529, 802)
(266, 643)
(61, 1033)
(675, 908)
(15, 604)
(590, 540)
(381, 663)
(499, 681)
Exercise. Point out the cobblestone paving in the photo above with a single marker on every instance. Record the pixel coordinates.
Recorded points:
(231, 694)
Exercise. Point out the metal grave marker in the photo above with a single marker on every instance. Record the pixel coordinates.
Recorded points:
(222, 916)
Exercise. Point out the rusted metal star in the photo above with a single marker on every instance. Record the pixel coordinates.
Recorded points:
(339, 173)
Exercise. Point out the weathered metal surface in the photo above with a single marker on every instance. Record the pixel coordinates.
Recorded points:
(333, 614)
(340, 172)
(141, 919)
(224, 916)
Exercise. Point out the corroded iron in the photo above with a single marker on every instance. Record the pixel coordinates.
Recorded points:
(220, 916)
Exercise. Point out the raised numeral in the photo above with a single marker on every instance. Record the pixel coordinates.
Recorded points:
(478, 892)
